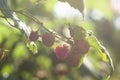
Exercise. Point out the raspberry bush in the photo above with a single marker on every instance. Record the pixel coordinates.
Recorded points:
(49, 41)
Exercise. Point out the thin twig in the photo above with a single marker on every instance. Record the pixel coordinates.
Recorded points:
(41, 25)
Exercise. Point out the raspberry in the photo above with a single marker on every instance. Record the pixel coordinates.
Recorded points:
(62, 51)
(74, 58)
(34, 36)
(48, 39)
(82, 46)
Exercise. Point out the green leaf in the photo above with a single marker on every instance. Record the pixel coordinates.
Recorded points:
(77, 32)
(33, 47)
(93, 41)
(77, 4)
(97, 45)
(81, 60)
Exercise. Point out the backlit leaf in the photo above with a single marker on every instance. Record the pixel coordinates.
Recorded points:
(102, 51)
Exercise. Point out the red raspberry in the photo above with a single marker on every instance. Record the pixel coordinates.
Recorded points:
(48, 39)
(82, 46)
(62, 51)
(34, 36)
(74, 58)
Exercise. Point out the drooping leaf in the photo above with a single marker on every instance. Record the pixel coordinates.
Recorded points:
(96, 44)
(77, 4)
(93, 41)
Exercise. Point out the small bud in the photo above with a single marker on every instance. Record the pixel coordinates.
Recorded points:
(34, 36)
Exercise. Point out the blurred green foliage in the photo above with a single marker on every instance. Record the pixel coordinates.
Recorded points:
(20, 64)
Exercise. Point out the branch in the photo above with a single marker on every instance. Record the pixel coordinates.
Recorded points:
(8, 13)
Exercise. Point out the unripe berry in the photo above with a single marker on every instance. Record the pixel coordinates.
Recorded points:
(34, 36)
(62, 51)
(48, 39)
(82, 46)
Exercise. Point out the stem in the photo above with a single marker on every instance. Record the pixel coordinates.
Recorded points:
(57, 35)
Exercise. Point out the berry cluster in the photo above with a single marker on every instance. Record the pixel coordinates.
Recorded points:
(73, 56)
(48, 39)
(79, 46)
